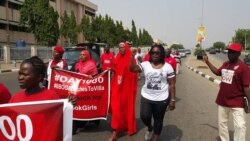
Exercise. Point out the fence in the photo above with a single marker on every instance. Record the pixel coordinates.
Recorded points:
(10, 54)
(20, 53)
(44, 52)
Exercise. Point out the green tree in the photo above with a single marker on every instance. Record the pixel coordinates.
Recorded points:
(146, 38)
(105, 29)
(139, 37)
(86, 29)
(176, 46)
(134, 37)
(97, 28)
(74, 29)
(41, 20)
(64, 30)
(69, 28)
(242, 36)
(219, 45)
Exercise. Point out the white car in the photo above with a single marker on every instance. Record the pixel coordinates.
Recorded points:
(182, 54)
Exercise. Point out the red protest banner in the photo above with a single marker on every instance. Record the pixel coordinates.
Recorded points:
(36, 121)
(92, 93)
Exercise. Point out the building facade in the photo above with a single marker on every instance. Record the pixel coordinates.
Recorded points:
(10, 31)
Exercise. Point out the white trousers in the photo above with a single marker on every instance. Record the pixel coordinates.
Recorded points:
(177, 68)
(239, 121)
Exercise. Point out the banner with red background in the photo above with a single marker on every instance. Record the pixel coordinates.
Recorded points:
(49, 120)
(92, 93)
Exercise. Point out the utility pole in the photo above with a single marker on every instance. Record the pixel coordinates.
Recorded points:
(202, 7)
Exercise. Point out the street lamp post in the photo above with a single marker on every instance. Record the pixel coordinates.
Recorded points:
(202, 7)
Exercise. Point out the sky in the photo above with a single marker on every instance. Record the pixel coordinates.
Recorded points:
(177, 21)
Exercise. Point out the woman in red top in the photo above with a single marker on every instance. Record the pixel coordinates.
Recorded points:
(85, 65)
(30, 75)
(4, 94)
(123, 94)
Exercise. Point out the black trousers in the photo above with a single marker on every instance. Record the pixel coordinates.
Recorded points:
(157, 110)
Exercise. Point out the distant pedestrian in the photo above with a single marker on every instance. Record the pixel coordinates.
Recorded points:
(235, 85)
(123, 94)
(139, 56)
(158, 91)
(169, 59)
(4, 94)
(56, 62)
(177, 58)
(107, 59)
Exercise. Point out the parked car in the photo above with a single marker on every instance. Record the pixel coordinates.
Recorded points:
(182, 53)
(188, 51)
(217, 50)
(225, 51)
(71, 54)
(212, 51)
(247, 59)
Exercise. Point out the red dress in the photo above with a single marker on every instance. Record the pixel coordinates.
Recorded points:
(123, 95)
(4, 94)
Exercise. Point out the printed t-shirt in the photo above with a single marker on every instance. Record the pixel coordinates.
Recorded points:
(156, 84)
(234, 77)
(107, 60)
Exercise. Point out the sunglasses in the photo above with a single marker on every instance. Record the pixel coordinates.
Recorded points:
(155, 52)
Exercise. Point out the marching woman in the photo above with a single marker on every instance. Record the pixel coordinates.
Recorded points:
(85, 65)
(158, 91)
(31, 74)
(57, 62)
(123, 94)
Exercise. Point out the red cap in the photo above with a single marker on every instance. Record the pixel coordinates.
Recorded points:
(59, 49)
(235, 47)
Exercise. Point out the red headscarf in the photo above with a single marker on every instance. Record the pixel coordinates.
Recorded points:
(123, 97)
(86, 67)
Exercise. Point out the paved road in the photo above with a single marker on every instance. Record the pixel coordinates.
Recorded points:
(195, 117)
(10, 80)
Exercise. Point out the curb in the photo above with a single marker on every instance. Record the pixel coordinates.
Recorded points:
(216, 81)
(8, 70)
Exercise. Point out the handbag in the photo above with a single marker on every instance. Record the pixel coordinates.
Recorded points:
(246, 104)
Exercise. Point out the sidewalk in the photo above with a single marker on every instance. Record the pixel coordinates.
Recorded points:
(10, 67)
(201, 68)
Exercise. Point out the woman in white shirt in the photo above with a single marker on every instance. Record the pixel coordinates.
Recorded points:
(158, 91)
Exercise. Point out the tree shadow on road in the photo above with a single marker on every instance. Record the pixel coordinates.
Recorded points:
(171, 133)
